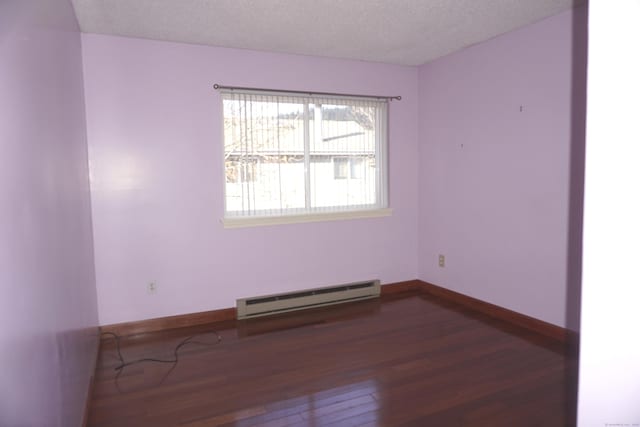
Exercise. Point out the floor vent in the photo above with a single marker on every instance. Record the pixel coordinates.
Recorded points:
(280, 303)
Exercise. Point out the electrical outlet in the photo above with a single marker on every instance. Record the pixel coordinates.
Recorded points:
(152, 288)
(441, 260)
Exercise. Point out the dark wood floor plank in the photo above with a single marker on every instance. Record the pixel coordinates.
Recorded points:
(404, 360)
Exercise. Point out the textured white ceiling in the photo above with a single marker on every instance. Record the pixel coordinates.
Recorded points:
(409, 32)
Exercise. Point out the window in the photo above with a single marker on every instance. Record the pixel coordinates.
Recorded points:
(340, 167)
(347, 167)
(307, 156)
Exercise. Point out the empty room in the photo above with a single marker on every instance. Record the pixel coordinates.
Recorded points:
(327, 213)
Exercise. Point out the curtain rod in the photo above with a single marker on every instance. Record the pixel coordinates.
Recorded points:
(303, 92)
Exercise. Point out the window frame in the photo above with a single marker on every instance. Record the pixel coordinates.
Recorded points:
(380, 209)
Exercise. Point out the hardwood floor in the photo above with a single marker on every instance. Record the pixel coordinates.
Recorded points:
(404, 360)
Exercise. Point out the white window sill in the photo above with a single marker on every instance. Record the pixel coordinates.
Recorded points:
(297, 219)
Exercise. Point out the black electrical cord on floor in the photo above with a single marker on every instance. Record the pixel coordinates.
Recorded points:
(188, 340)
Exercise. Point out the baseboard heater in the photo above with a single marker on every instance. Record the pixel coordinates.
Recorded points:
(299, 300)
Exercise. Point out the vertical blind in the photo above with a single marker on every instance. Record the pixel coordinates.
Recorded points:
(290, 155)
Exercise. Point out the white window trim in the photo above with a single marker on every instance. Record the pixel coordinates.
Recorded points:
(258, 221)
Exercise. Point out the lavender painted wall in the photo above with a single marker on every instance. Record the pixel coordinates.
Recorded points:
(154, 130)
(494, 180)
(48, 310)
